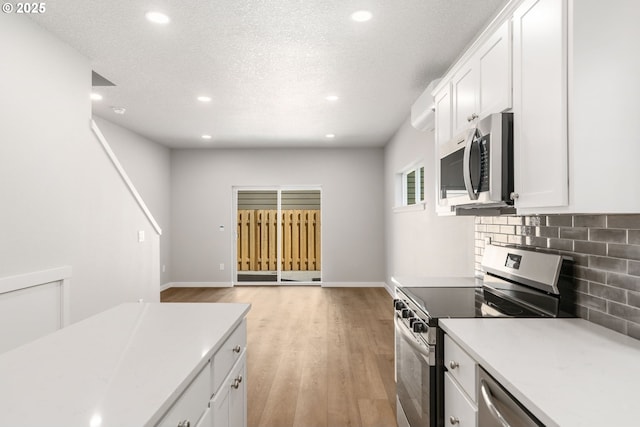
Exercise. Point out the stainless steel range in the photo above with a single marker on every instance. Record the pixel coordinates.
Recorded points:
(517, 283)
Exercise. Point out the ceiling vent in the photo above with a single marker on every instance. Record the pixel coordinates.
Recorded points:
(98, 80)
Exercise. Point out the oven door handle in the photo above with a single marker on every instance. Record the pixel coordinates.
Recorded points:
(487, 397)
(466, 164)
(424, 350)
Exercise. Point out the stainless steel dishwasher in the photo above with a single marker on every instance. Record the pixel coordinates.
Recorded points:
(497, 408)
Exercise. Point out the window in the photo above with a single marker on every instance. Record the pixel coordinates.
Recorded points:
(413, 186)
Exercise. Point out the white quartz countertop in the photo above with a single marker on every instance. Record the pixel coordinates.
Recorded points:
(567, 372)
(122, 367)
(436, 281)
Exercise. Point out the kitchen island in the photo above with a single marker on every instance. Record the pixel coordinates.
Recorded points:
(566, 372)
(138, 364)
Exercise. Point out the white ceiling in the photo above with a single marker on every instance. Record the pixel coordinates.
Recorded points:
(267, 65)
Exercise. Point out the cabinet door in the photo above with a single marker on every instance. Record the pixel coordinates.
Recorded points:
(540, 103)
(442, 101)
(465, 88)
(220, 408)
(238, 397)
(494, 66)
(205, 421)
(229, 405)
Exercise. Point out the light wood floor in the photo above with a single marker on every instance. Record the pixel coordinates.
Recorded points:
(316, 356)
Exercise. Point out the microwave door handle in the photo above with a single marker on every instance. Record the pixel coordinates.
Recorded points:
(466, 165)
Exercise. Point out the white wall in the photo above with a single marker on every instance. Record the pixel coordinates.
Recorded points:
(420, 243)
(352, 218)
(148, 165)
(62, 202)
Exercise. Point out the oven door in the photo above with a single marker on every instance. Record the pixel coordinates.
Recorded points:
(416, 378)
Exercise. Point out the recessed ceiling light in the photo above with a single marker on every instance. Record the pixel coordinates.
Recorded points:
(119, 110)
(361, 16)
(330, 136)
(95, 96)
(331, 97)
(204, 99)
(157, 17)
(206, 136)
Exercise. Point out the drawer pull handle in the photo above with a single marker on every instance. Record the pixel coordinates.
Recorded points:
(237, 349)
(454, 420)
(236, 382)
(184, 423)
(453, 364)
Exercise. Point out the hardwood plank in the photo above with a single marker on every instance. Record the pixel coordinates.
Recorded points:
(316, 356)
(376, 413)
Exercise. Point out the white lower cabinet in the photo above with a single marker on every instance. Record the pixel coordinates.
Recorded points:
(192, 403)
(461, 367)
(217, 397)
(460, 397)
(205, 421)
(229, 404)
(459, 409)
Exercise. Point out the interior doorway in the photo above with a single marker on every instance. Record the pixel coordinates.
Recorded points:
(278, 235)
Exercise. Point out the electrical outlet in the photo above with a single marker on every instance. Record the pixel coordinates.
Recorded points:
(164, 268)
(141, 236)
(221, 266)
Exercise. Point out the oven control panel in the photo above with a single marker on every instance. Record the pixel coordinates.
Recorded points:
(413, 320)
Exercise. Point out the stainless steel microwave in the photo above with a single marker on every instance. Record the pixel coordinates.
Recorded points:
(476, 168)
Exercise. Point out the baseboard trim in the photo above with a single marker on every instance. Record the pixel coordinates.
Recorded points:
(353, 284)
(195, 285)
(276, 284)
(322, 284)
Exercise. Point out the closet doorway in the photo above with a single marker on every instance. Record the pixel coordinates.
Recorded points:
(278, 237)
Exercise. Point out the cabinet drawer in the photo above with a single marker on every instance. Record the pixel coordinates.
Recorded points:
(228, 354)
(461, 367)
(192, 403)
(459, 411)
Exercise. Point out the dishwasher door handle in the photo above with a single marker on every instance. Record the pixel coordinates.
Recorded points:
(488, 400)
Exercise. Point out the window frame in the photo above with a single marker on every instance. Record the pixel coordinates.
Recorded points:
(402, 190)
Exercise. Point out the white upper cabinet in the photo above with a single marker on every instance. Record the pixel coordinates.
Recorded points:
(465, 96)
(599, 113)
(568, 71)
(540, 103)
(494, 69)
(482, 84)
(442, 102)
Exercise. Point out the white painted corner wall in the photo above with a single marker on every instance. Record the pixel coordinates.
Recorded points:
(63, 202)
(202, 182)
(418, 242)
(148, 165)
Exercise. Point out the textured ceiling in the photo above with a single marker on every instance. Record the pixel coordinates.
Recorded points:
(267, 65)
